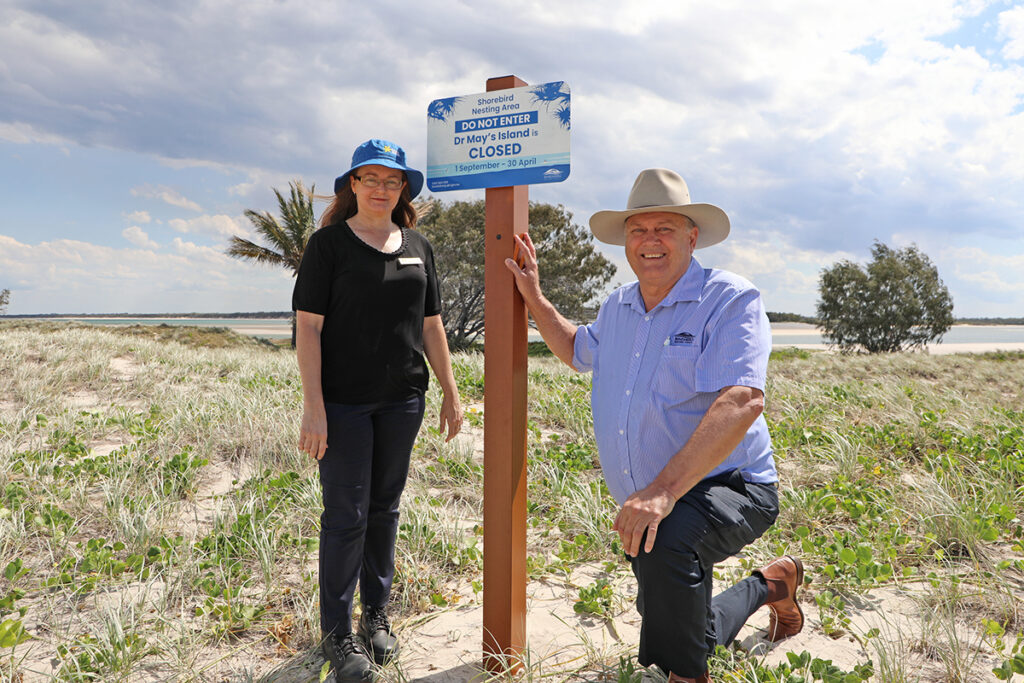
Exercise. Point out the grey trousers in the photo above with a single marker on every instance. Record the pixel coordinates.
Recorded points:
(682, 623)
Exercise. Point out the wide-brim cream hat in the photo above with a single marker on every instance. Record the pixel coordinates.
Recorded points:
(659, 189)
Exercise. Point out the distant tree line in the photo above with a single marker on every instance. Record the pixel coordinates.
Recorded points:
(775, 317)
(990, 321)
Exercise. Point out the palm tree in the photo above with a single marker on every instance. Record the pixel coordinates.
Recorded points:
(287, 239)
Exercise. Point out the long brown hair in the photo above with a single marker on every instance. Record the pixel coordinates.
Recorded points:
(344, 206)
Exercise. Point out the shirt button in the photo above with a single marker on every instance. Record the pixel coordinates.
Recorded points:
(621, 432)
(628, 392)
(647, 317)
(636, 355)
(625, 471)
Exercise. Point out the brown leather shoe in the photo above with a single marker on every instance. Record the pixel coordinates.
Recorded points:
(784, 577)
(706, 678)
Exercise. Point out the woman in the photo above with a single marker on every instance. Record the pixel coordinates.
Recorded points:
(368, 308)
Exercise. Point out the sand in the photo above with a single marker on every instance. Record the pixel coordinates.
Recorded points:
(446, 646)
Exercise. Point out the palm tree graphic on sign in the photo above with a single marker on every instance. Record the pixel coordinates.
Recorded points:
(550, 93)
(563, 116)
(442, 109)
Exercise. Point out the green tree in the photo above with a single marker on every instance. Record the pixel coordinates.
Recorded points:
(5, 298)
(896, 302)
(286, 239)
(573, 272)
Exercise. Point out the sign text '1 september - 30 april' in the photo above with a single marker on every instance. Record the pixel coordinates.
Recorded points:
(485, 134)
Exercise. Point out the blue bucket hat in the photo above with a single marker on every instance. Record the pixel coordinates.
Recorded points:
(381, 153)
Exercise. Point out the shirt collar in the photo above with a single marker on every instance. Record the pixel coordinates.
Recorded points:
(687, 288)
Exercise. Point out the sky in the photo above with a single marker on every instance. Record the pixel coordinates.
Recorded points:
(134, 134)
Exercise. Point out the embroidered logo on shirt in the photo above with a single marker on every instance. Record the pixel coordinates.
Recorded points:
(681, 339)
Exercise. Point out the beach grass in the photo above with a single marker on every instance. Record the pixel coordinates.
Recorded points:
(158, 523)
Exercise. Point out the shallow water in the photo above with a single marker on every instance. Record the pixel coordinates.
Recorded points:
(789, 334)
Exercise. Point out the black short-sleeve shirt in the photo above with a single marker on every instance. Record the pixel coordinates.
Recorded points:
(373, 305)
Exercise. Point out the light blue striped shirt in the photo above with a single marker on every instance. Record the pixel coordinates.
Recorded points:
(657, 372)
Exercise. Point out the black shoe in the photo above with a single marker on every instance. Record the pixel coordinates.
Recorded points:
(375, 630)
(348, 659)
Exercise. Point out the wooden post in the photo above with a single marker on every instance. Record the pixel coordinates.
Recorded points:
(504, 427)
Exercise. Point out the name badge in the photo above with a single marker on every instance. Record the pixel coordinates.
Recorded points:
(681, 339)
(410, 261)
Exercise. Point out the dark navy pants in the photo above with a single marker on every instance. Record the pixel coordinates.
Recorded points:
(682, 624)
(362, 475)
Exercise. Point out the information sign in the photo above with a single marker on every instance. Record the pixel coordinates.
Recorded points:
(504, 138)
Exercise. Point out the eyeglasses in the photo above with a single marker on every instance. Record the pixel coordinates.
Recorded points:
(372, 181)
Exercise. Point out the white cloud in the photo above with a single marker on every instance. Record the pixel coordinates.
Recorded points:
(1011, 28)
(165, 194)
(986, 277)
(1008, 261)
(990, 281)
(138, 237)
(69, 276)
(137, 217)
(217, 226)
(786, 274)
(179, 164)
(259, 181)
(23, 133)
(202, 253)
(630, 18)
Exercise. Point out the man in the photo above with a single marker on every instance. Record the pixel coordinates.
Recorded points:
(679, 359)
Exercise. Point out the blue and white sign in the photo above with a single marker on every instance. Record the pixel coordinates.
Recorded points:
(518, 136)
